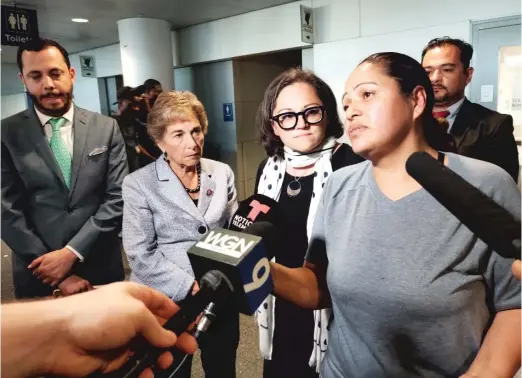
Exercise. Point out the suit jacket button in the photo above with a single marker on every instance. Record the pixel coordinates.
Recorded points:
(202, 229)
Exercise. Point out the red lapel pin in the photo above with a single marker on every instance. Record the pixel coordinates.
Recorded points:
(209, 192)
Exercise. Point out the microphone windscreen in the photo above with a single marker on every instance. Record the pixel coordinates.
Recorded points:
(483, 216)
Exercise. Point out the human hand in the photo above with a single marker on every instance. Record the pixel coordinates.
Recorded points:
(74, 285)
(487, 374)
(516, 269)
(101, 324)
(484, 370)
(195, 288)
(53, 266)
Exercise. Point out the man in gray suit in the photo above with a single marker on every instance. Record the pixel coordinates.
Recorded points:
(62, 171)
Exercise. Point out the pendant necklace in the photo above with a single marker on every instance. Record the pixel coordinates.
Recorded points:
(294, 187)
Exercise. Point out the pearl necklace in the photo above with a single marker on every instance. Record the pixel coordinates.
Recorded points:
(198, 187)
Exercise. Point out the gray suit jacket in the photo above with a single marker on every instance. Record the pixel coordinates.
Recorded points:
(40, 214)
(160, 222)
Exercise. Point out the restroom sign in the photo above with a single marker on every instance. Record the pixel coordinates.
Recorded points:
(18, 25)
(228, 112)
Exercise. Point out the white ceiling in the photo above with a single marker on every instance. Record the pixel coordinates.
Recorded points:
(54, 17)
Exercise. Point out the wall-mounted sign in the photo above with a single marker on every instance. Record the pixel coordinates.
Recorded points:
(87, 65)
(228, 112)
(307, 24)
(18, 25)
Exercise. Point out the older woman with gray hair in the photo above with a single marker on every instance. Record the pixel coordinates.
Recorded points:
(168, 206)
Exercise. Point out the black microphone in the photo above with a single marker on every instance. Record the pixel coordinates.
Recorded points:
(214, 287)
(242, 258)
(489, 221)
(226, 263)
(256, 208)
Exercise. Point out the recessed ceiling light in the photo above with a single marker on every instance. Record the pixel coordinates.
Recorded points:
(79, 20)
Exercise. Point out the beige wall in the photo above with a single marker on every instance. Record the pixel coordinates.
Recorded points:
(251, 78)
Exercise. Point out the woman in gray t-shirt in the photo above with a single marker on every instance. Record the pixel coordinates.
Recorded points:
(414, 292)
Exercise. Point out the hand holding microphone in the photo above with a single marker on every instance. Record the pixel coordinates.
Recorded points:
(195, 288)
(87, 332)
(226, 263)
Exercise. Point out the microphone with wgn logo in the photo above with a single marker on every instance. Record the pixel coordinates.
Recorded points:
(242, 257)
(226, 263)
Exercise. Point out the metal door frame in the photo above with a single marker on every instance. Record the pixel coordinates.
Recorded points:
(477, 26)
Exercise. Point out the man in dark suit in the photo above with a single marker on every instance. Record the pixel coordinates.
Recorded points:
(62, 171)
(479, 132)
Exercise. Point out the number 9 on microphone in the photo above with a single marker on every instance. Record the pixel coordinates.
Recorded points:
(242, 258)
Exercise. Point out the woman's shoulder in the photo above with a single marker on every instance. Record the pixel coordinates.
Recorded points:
(214, 166)
(350, 177)
(344, 157)
(140, 183)
(479, 173)
(142, 174)
(489, 178)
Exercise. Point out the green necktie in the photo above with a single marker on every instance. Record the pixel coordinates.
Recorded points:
(61, 153)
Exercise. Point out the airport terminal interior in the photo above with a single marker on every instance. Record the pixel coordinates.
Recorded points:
(227, 52)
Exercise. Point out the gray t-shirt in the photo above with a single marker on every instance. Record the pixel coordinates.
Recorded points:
(413, 290)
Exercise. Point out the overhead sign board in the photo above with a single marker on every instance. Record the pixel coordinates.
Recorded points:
(19, 25)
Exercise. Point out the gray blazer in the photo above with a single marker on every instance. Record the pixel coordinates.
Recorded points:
(40, 214)
(160, 222)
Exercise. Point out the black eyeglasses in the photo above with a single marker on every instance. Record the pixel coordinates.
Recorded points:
(311, 116)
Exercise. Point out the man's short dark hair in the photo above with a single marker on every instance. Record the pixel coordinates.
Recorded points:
(39, 44)
(150, 84)
(125, 93)
(139, 90)
(466, 50)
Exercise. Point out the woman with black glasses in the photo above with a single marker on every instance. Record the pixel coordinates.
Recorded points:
(299, 125)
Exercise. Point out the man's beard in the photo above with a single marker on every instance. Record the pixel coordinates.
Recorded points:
(53, 112)
(442, 98)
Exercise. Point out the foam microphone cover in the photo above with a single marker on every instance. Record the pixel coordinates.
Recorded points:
(484, 217)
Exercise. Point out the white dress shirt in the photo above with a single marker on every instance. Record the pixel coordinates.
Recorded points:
(66, 132)
(454, 110)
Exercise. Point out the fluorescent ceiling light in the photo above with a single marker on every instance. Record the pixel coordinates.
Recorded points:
(79, 20)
